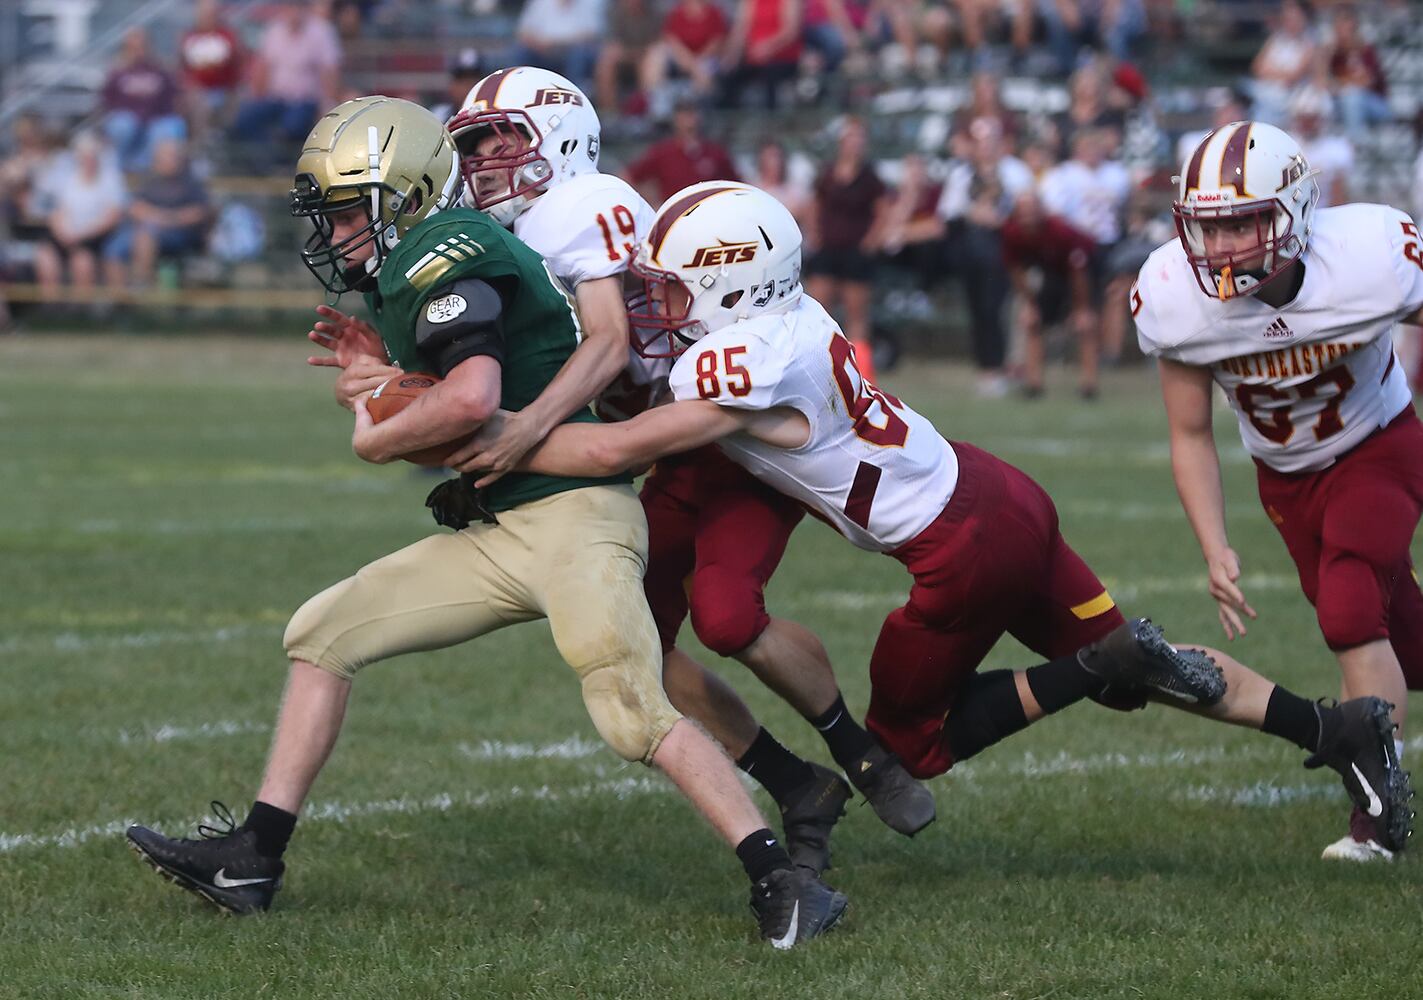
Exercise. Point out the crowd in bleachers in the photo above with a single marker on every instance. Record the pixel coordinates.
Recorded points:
(1050, 208)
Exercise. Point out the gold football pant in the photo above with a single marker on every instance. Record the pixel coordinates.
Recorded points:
(576, 558)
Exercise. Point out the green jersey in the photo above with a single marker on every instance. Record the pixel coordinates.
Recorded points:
(540, 321)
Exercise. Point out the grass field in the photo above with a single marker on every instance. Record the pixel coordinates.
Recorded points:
(166, 505)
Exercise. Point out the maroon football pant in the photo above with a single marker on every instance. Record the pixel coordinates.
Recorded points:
(1348, 529)
(716, 533)
(993, 562)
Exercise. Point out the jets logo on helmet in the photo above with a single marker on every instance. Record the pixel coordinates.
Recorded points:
(1245, 204)
(717, 253)
(521, 130)
(389, 157)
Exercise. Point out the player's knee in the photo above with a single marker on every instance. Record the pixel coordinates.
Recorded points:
(1351, 609)
(728, 611)
(1345, 627)
(305, 638)
(630, 711)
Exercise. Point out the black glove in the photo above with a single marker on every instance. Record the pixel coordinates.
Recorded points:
(455, 503)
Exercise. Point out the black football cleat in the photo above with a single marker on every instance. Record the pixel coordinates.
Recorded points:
(902, 802)
(1356, 740)
(221, 866)
(809, 814)
(792, 905)
(1136, 656)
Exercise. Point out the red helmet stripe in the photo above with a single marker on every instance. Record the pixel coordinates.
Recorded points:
(675, 211)
(1193, 172)
(1232, 160)
(488, 91)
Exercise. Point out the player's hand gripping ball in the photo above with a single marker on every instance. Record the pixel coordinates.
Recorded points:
(394, 395)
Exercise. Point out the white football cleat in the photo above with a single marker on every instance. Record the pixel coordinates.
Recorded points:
(1362, 851)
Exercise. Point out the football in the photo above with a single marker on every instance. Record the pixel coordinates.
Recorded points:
(394, 395)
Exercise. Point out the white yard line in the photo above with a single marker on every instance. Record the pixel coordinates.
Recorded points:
(170, 732)
(1027, 766)
(78, 642)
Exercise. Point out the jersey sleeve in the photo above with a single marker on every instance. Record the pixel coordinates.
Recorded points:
(733, 368)
(1406, 252)
(448, 252)
(1150, 337)
(594, 235)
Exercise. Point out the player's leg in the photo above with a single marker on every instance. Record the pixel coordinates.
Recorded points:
(811, 798)
(743, 527)
(592, 544)
(1405, 628)
(437, 592)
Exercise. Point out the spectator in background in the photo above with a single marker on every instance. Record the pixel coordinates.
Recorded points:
(1073, 25)
(1284, 63)
(1088, 108)
(168, 215)
(1149, 224)
(978, 195)
(88, 197)
(139, 102)
(1064, 261)
(1356, 75)
(466, 69)
(691, 47)
(22, 174)
(294, 78)
(1327, 151)
(210, 55)
(976, 18)
(909, 232)
(1089, 191)
(986, 103)
(684, 158)
(774, 177)
(561, 35)
(763, 51)
(848, 198)
(632, 33)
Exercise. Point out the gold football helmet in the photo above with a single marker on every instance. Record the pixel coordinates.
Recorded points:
(391, 157)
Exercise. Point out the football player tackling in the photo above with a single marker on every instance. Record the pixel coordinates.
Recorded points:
(1291, 310)
(455, 294)
(768, 376)
(529, 142)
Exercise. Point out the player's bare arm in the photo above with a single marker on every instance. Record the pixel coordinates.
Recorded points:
(1186, 390)
(451, 409)
(607, 449)
(593, 364)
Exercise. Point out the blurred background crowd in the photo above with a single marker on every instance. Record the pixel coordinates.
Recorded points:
(974, 177)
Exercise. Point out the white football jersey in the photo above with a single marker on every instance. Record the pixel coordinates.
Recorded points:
(586, 228)
(876, 470)
(1311, 380)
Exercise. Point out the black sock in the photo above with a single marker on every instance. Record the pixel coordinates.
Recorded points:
(272, 826)
(1291, 717)
(778, 770)
(847, 740)
(1061, 682)
(761, 853)
(986, 710)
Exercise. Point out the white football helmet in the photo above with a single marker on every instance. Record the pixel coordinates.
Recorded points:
(733, 249)
(1253, 172)
(549, 133)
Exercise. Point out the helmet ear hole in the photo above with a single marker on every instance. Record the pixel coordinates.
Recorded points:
(414, 202)
(730, 299)
(569, 145)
